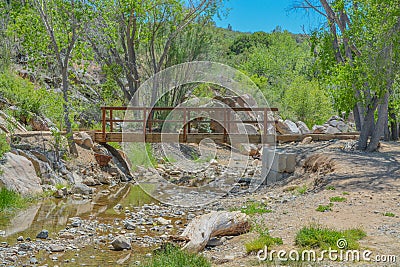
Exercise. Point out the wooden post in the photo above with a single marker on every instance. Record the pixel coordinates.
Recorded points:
(103, 120)
(150, 120)
(111, 121)
(265, 125)
(225, 132)
(184, 125)
(144, 122)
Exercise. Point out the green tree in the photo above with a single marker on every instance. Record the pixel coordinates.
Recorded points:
(51, 32)
(133, 39)
(358, 54)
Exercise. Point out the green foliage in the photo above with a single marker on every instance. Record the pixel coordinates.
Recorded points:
(306, 101)
(171, 256)
(4, 146)
(330, 187)
(316, 236)
(29, 99)
(264, 239)
(389, 214)
(338, 199)
(323, 208)
(302, 189)
(140, 155)
(346, 193)
(10, 200)
(244, 42)
(252, 208)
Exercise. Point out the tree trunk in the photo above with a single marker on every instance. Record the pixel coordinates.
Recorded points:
(394, 126)
(68, 127)
(217, 223)
(366, 129)
(380, 124)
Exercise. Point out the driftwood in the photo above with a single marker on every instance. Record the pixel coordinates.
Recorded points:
(217, 223)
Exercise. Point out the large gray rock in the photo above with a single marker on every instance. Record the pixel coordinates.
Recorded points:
(82, 189)
(121, 243)
(332, 130)
(292, 126)
(303, 127)
(318, 129)
(282, 128)
(343, 127)
(19, 175)
(83, 139)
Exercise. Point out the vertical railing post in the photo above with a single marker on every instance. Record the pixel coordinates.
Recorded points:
(144, 121)
(265, 125)
(150, 121)
(111, 120)
(103, 121)
(225, 132)
(184, 125)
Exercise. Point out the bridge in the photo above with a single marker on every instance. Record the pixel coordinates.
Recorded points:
(149, 128)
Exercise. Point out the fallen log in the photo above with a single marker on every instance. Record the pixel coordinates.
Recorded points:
(217, 223)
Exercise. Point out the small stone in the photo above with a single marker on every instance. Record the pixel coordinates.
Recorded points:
(44, 234)
(129, 225)
(33, 260)
(163, 221)
(20, 238)
(76, 223)
(307, 140)
(67, 235)
(121, 243)
(56, 248)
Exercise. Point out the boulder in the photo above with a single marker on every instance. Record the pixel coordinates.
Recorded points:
(84, 139)
(343, 127)
(38, 124)
(332, 130)
(292, 126)
(317, 129)
(307, 140)
(121, 243)
(19, 175)
(282, 128)
(303, 127)
(81, 189)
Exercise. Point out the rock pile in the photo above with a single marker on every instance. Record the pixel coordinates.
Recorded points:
(334, 125)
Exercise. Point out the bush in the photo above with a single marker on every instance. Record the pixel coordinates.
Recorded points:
(28, 99)
(10, 199)
(171, 256)
(264, 239)
(4, 146)
(254, 208)
(316, 236)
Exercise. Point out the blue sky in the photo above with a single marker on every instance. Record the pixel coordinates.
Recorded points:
(265, 15)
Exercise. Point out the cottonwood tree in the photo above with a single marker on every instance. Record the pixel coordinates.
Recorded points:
(358, 52)
(133, 39)
(51, 31)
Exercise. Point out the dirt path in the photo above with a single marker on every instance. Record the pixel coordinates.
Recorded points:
(370, 182)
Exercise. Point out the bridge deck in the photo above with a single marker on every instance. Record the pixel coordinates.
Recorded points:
(218, 138)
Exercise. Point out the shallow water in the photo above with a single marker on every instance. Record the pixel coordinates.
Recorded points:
(54, 215)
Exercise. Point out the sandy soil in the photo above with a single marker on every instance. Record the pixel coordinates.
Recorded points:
(370, 183)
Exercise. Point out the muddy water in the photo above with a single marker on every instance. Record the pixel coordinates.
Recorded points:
(55, 215)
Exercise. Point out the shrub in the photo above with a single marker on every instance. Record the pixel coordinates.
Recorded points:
(264, 239)
(171, 256)
(10, 199)
(316, 236)
(323, 208)
(338, 199)
(4, 146)
(255, 208)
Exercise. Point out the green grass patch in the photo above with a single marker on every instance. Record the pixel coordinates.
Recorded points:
(389, 214)
(141, 155)
(115, 145)
(338, 199)
(330, 187)
(324, 208)
(11, 200)
(171, 256)
(4, 146)
(316, 236)
(252, 208)
(264, 239)
(346, 193)
(302, 189)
